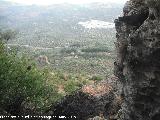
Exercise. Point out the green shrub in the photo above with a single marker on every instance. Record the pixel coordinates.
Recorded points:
(96, 78)
(71, 86)
(20, 81)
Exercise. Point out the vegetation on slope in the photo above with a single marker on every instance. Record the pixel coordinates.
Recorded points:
(75, 56)
(22, 83)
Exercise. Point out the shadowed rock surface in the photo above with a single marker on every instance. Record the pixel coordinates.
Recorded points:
(138, 62)
(86, 103)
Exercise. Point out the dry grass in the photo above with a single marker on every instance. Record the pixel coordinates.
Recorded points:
(61, 89)
(97, 89)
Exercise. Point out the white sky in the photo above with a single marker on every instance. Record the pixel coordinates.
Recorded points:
(49, 2)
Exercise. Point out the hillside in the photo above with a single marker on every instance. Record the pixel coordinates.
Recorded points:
(62, 61)
(58, 59)
(75, 38)
(57, 25)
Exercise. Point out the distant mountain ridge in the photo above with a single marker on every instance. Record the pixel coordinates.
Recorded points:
(45, 24)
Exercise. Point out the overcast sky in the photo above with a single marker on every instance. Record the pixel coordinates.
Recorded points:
(49, 2)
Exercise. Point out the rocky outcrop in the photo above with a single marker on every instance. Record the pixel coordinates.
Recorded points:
(138, 60)
(93, 100)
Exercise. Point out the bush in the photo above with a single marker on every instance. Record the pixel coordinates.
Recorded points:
(71, 86)
(7, 35)
(96, 78)
(20, 81)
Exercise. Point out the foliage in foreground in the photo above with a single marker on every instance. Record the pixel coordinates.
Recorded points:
(23, 84)
(20, 81)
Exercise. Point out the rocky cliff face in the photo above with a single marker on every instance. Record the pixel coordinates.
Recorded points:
(138, 60)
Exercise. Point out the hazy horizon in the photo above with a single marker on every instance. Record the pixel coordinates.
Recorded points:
(50, 2)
